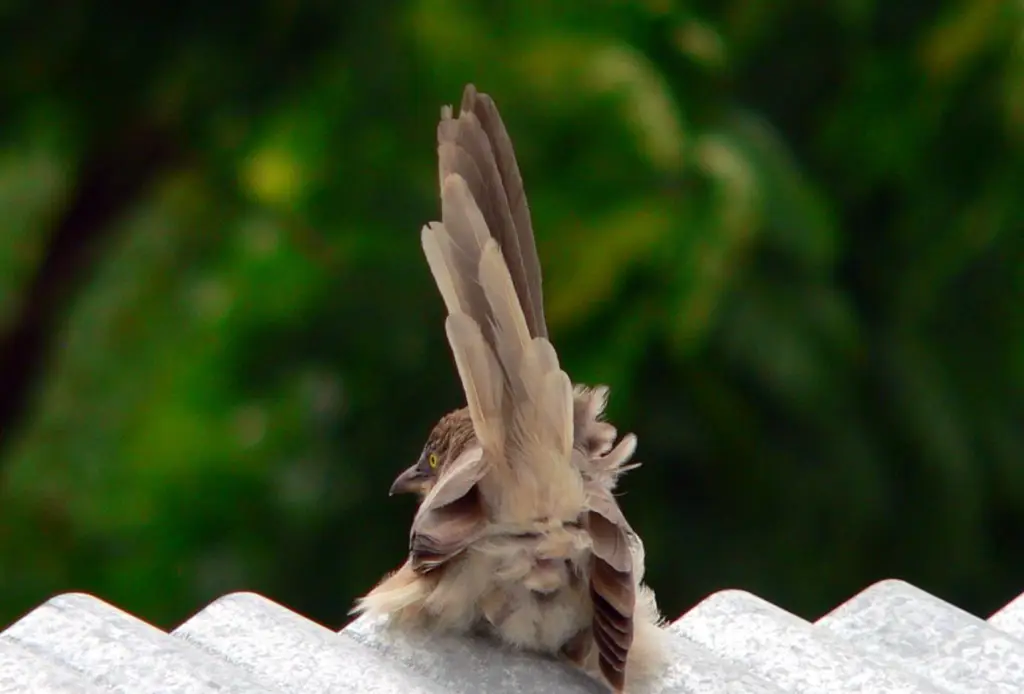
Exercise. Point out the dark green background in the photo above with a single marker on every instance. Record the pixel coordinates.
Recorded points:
(789, 235)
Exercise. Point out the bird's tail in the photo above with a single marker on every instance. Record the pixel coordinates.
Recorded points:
(520, 400)
(476, 146)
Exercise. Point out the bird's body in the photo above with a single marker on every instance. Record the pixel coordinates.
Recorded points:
(518, 533)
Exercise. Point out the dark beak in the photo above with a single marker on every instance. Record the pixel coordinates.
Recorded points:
(409, 482)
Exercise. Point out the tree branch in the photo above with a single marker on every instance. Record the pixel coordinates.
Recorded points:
(111, 180)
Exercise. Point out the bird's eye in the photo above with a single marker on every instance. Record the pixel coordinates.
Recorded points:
(432, 460)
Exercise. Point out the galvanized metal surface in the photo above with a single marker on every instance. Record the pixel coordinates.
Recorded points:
(892, 637)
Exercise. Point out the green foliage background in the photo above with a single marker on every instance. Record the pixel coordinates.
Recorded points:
(789, 235)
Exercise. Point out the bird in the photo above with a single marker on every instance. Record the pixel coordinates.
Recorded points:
(518, 533)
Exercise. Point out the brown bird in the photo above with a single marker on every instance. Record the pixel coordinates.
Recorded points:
(518, 533)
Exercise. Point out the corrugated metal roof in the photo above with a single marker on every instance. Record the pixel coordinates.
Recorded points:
(892, 637)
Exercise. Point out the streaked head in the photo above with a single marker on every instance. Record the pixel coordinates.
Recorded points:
(447, 440)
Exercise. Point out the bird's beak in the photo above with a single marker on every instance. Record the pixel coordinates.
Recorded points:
(409, 482)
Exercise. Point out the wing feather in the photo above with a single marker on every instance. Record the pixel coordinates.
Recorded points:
(612, 585)
(452, 515)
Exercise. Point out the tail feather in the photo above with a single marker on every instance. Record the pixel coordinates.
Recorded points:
(486, 318)
(465, 235)
(519, 245)
(495, 277)
(480, 374)
(510, 330)
(436, 248)
(556, 410)
(477, 147)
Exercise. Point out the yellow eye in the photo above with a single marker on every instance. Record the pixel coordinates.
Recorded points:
(432, 460)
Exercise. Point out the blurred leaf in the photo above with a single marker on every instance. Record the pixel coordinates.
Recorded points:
(601, 257)
(966, 30)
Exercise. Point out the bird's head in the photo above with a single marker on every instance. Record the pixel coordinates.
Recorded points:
(447, 440)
